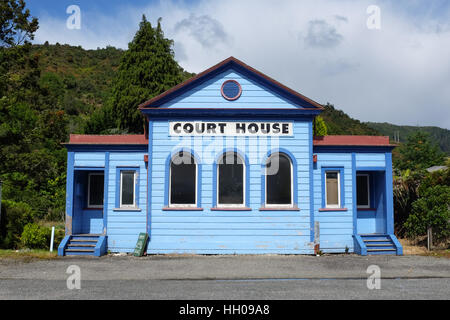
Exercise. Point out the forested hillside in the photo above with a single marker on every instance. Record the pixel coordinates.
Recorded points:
(437, 135)
(77, 81)
(338, 122)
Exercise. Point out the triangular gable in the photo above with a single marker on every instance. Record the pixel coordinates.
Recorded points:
(258, 91)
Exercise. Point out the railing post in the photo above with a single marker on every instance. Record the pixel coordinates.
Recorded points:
(316, 237)
(52, 239)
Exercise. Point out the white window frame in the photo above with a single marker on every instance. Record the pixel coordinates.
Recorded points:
(89, 205)
(231, 205)
(333, 206)
(134, 189)
(368, 191)
(183, 205)
(281, 205)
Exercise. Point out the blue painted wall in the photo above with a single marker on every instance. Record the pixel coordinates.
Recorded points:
(89, 159)
(208, 231)
(336, 226)
(217, 232)
(121, 226)
(124, 226)
(207, 95)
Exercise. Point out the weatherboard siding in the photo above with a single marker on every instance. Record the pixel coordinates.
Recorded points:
(370, 160)
(214, 232)
(89, 159)
(123, 227)
(208, 95)
(336, 227)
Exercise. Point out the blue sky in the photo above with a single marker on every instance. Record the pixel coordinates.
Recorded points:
(399, 73)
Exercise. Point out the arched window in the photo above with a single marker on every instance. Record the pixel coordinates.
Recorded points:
(279, 180)
(230, 180)
(183, 180)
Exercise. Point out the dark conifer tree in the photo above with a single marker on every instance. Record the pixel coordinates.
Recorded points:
(148, 68)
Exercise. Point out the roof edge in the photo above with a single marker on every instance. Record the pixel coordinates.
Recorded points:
(352, 141)
(97, 139)
(217, 66)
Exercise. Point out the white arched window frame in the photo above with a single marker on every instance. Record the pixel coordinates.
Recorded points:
(183, 158)
(269, 170)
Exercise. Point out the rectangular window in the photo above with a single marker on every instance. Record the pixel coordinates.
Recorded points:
(363, 191)
(332, 189)
(95, 190)
(127, 188)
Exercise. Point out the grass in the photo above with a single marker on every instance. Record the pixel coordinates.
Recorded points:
(27, 255)
(439, 253)
(415, 248)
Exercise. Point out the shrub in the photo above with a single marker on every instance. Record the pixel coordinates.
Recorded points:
(406, 191)
(431, 209)
(35, 236)
(14, 216)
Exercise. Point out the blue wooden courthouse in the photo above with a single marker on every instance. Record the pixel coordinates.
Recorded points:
(229, 165)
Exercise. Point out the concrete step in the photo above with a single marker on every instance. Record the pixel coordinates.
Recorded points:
(84, 238)
(80, 250)
(370, 245)
(81, 244)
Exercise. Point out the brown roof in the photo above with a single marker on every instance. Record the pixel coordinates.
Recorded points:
(382, 141)
(217, 66)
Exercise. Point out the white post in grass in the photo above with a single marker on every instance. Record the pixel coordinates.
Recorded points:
(51, 239)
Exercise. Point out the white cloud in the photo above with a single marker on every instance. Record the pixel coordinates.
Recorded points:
(321, 48)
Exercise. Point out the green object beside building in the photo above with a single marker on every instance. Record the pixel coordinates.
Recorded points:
(140, 245)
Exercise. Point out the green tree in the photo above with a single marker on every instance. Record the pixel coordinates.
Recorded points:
(432, 209)
(147, 68)
(320, 128)
(32, 159)
(418, 153)
(16, 24)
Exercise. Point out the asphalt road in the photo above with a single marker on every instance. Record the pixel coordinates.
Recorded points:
(264, 277)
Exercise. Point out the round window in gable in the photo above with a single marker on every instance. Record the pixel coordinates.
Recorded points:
(231, 90)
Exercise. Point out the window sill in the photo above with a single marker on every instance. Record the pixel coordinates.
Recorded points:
(294, 208)
(182, 209)
(332, 209)
(231, 209)
(127, 209)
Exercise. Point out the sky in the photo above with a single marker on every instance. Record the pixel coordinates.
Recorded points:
(377, 60)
